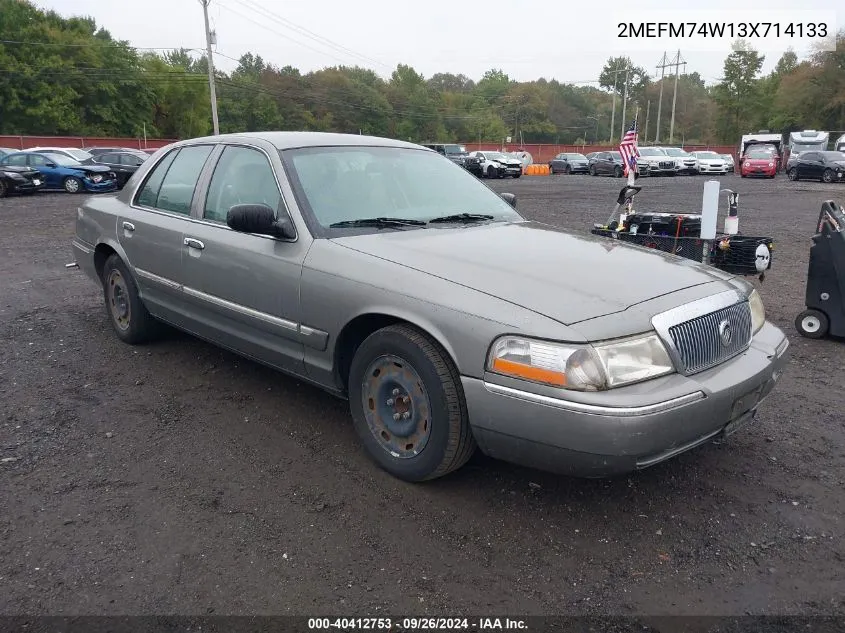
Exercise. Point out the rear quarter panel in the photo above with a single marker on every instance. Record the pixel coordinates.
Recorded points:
(96, 223)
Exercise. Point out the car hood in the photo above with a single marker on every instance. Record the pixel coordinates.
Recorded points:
(508, 161)
(100, 169)
(656, 159)
(712, 161)
(565, 276)
(759, 161)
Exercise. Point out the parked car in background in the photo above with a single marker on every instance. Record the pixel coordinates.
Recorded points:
(569, 163)
(61, 172)
(759, 162)
(606, 164)
(711, 163)
(19, 179)
(659, 163)
(498, 165)
(729, 161)
(7, 150)
(427, 301)
(79, 155)
(96, 151)
(824, 166)
(459, 155)
(122, 163)
(686, 163)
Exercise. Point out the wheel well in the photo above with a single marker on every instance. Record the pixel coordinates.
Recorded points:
(101, 254)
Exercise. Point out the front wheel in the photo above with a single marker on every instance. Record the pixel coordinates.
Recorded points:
(128, 315)
(408, 405)
(492, 172)
(72, 184)
(617, 172)
(827, 176)
(567, 170)
(792, 174)
(592, 170)
(812, 324)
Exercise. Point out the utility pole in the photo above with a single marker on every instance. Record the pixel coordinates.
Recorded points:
(615, 82)
(647, 112)
(625, 102)
(664, 62)
(678, 63)
(211, 87)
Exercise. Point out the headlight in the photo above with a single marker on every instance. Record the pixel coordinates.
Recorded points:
(14, 175)
(580, 367)
(771, 164)
(758, 311)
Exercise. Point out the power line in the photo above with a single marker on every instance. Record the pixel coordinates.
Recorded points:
(104, 45)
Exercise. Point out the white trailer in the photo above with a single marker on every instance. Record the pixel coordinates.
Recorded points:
(808, 140)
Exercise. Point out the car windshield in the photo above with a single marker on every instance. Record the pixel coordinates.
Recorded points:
(495, 155)
(615, 155)
(760, 154)
(708, 155)
(672, 151)
(455, 149)
(575, 156)
(61, 159)
(79, 154)
(354, 183)
(651, 151)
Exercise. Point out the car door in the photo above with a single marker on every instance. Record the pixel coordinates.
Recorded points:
(151, 229)
(52, 175)
(245, 286)
(808, 165)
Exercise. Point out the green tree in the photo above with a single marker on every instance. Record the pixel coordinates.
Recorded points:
(738, 95)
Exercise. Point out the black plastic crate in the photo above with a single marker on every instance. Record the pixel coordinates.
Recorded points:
(687, 247)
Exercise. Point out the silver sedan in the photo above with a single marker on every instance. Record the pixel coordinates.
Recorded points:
(389, 276)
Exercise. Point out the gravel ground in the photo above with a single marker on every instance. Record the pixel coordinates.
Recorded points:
(177, 478)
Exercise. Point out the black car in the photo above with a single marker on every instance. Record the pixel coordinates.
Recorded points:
(459, 155)
(123, 163)
(569, 163)
(19, 179)
(96, 151)
(824, 166)
(608, 163)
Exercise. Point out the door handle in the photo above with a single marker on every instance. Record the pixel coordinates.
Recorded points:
(192, 243)
(128, 226)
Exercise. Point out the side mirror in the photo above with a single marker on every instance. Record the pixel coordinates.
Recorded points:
(50, 165)
(260, 219)
(509, 198)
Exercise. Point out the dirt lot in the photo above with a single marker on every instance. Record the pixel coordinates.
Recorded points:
(177, 478)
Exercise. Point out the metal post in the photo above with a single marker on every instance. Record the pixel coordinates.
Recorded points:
(211, 87)
(662, 67)
(625, 103)
(647, 112)
(678, 64)
(613, 111)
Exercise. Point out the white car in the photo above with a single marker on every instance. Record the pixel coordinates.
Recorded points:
(658, 161)
(729, 159)
(686, 162)
(71, 152)
(498, 165)
(711, 163)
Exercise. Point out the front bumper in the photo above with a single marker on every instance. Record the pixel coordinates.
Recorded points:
(99, 187)
(24, 185)
(625, 429)
(711, 169)
(758, 172)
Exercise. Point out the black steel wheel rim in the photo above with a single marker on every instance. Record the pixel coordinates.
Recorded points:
(118, 294)
(396, 406)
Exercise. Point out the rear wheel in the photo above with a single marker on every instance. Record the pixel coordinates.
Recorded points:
(129, 317)
(812, 324)
(408, 405)
(72, 184)
(3, 189)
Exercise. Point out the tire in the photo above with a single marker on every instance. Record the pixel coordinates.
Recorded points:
(567, 170)
(593, 170)
(812, 324)
(551, 170)
(617, 172)
(827, 176)
(492, 172)
(792, 174)
(72, 184)
(127, 314)
(401, 362)
(517, 175)
(3, 189)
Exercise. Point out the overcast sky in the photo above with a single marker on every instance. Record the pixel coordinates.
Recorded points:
(528, 40)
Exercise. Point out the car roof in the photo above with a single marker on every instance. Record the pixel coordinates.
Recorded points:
(293, 140)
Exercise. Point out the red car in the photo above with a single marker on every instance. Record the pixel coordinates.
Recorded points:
(759, 162)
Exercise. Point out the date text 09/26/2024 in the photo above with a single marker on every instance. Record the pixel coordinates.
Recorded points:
(416, 624)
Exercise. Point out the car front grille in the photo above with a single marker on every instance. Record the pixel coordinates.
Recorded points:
(700, 342)
(665, 164)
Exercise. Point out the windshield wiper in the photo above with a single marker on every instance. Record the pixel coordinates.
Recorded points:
(378, 222)
(463, 217)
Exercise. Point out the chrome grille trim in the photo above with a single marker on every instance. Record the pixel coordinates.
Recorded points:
(665, 322)
(699, 343)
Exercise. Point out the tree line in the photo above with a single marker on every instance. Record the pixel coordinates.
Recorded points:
(67, 76)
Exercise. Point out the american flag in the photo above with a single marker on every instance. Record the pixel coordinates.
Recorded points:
(628, 148)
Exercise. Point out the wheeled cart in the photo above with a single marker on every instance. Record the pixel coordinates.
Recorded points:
(825, 296)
